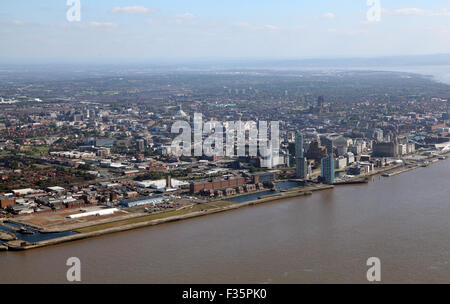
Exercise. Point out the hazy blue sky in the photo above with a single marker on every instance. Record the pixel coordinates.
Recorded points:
(144, 30)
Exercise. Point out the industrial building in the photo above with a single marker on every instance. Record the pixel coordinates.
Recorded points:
(22, 192)
(142, 201)
(263, 177)
(56, 189)
(217, 184)
(99, 212)
(169, 183)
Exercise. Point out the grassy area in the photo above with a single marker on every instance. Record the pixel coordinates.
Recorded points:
(41, 149)
(222, 203)
(36, 150)
(146, 218)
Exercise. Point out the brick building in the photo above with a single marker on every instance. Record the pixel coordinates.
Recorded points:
(217, 184)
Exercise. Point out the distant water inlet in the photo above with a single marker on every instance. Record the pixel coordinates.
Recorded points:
(440, 73)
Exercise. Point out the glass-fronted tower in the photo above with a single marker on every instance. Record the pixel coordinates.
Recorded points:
(300, 160)
(328, 169)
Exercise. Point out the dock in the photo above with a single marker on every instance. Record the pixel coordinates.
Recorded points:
(19, 245)
(9, 227)
(353, 181)
(5, 236)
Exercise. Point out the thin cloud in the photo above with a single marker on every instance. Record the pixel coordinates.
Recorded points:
(416, 12)
(243, 24)
(347, 32)
(271, 27)
(105, 25)
(186, 16)
(329, 16)
(134, 10)
(439, 29)
(249, 26)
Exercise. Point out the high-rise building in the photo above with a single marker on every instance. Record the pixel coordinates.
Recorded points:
(300, 161)
(168, 181)
(328, 169)
(320, 103)
(77, 117)
(92, 114)
(327, 142)
(377, 134)
(299, 145)
(302, 167)
(140, 145)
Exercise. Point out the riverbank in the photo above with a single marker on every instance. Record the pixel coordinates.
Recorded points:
(426, 162)
(216, 207)
(401, 171)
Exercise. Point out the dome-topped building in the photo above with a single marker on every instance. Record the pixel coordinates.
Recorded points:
(180, 113)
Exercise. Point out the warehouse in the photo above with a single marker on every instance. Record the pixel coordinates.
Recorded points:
(216, 184)
(99, 212)
(56, 189)
(22, 192)
(162, 183)
(142, 201)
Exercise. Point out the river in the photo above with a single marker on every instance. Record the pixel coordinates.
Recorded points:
(440, 73)
(324, 238)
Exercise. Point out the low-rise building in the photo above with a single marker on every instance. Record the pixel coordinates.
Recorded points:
(6, 201)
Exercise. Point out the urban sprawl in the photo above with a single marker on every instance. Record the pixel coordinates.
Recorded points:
(90, 155)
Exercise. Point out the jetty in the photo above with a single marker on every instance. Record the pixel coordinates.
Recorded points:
(353, 181)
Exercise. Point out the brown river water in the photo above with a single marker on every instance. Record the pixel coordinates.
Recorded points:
(324, 238)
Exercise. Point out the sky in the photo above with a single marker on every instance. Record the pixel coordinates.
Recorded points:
(151, 30)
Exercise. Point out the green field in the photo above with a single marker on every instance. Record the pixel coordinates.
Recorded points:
(36, 150)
